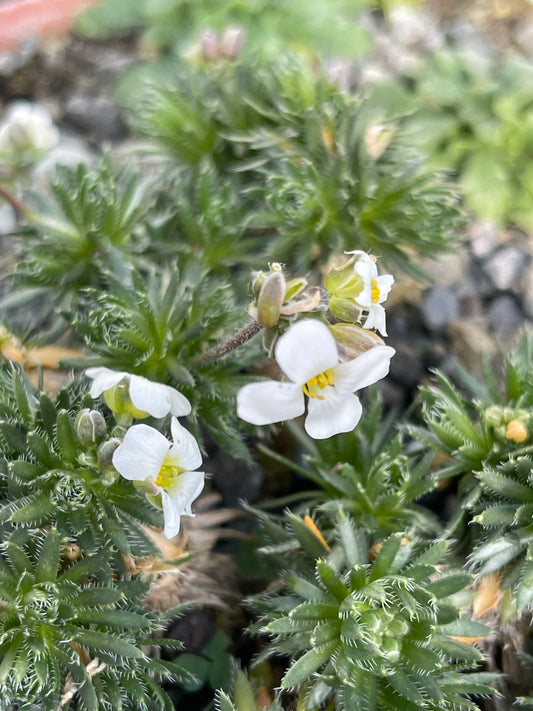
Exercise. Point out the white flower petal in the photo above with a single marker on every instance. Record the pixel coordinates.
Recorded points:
(141, 454)
(179, 405)
(185, 450)
(148, 396)
(177, 501)
(171, 516)
(269, 402)
(364, 370)
(384, 284)
(305, 350)
(376, 318)
(103, 379)
(337, 412)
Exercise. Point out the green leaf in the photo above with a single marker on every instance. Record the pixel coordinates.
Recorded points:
(353, 541)
(314, 611)
(494, 555)
(93, 596)
(331, 580)
(48, 562)
(465, 628)
(486, 184)
(449, 584)
(305, 666)
(223, 703)
(66, 439)
(404, 686)
(99, 641)
(114, 618)
(13, 436)
(384, 562)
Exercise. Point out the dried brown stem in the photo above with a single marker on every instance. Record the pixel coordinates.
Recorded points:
(15, 203)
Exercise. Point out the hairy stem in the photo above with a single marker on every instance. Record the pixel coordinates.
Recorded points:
(238, 339)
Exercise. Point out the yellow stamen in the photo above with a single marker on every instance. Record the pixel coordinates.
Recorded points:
(167, 475)
(375, 291)
(319, 381)
(311, 525)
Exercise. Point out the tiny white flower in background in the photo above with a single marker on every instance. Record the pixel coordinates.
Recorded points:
(307, 354)
(28, 127)
(147, 397)
(147, 455)
(375, 290)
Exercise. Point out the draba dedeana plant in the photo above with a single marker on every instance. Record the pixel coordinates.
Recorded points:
(482, 435)
(371, 626)
(310, 165)
(229, 296)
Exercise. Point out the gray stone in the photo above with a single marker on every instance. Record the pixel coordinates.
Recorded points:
(505, 317)
(505, 267)
(440, 307)
(406, 367)
(483, 239)
(448, 269)
(98, 116)
(414, 27)
(527, 294)
(469, 339)
(466, 36)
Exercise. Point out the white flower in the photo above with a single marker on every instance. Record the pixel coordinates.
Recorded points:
(135, 395)
(147, 455)
(375, 290)
(307, 354)
(28, 127)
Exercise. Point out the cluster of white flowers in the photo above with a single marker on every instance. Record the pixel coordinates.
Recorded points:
(322, 378)
(169, 469)
(319, 380)
(27, 133)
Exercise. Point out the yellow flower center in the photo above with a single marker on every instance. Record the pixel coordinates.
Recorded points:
(375, 291)
(167, 476)
(312, 387)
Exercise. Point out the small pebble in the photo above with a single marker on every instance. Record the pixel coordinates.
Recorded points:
(440, 307)
(505, 317)
(505, 266)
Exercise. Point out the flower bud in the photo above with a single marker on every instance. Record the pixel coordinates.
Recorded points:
(106, 451)
(494, 416)
(209, 46)
(270, 300)
(353, 340)
(119, 401)
(344, 282)
(232, 42)
(90, 426)
(516, 431)
(377, 138)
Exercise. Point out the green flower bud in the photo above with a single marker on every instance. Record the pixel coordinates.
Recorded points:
(353, 340)
(270, 300)
(105, 453)
(119, 401)
(90, 427)
(494, 416)
(344, 309)
(343, 282)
